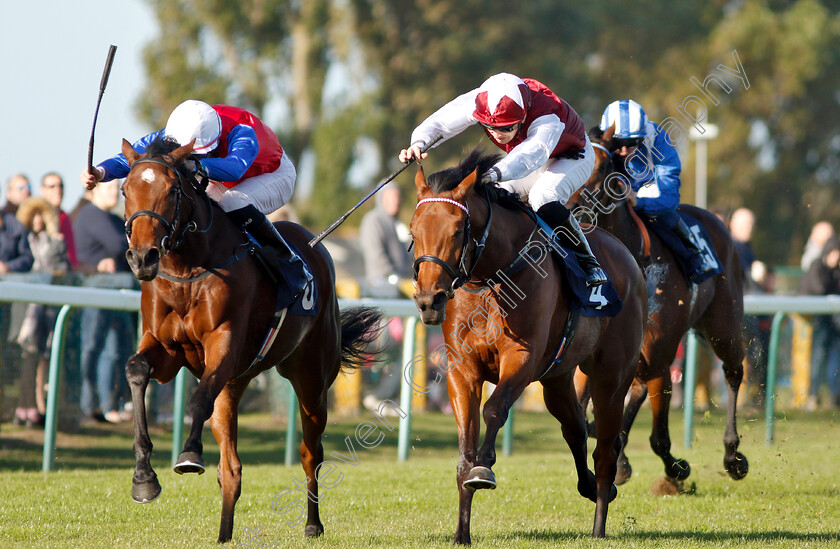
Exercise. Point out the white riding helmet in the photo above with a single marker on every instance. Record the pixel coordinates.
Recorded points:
(197, 120)
(629, 118)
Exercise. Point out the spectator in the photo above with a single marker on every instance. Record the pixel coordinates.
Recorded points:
(35, 336)
(387, 262)
(755, 274)
(384, 241)
(106, 334)
(15, 256)
(52, 190)
(17, 190)
(84, 200)
(823, 278)
(820, 233)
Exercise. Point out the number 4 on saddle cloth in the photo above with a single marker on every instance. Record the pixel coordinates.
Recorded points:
(691, 264)
(600, 300)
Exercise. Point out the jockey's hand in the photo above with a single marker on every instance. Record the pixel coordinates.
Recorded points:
(412, 152)
(89, 180)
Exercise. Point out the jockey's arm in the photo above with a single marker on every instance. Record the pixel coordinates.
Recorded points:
(242, 151)
(448, 121)
(117, 167)
(543, 135)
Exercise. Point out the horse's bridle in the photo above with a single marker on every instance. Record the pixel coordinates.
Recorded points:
(169, 241)
(463, 274)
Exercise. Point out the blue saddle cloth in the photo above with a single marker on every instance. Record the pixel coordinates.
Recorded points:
(690, 263)
(305, 303)
(601, 300)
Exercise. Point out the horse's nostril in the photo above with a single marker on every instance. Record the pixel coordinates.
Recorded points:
(152, 257)
(439, 299)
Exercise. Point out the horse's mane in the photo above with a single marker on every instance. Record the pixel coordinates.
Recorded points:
(476, 160)
(595, 133)
(162, 146)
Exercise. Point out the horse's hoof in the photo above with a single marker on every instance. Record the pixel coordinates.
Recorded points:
(313, 530)
(480, 478)
(623, 473)
(461, 540)
(737, 466)
(588, 487)
(145, 492)
(679, 470)
(189, 462)
(613, 492)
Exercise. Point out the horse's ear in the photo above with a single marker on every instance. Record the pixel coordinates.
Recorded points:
(464, 186)
(182, 152)
(420, 181)
(128, 151)
(608, 135)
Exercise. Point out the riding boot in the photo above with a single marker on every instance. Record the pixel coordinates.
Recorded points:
(565, 224)
(265, 233)
(681, 229)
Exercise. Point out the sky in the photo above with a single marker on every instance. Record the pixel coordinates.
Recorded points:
(51, 56)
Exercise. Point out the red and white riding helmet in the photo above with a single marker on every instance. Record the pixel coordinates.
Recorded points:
(197, 120)
(502, 100)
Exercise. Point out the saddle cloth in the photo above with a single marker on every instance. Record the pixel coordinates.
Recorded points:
(690, 263)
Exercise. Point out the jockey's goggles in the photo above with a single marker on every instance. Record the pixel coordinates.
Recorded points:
(501, 129)
(626, 142)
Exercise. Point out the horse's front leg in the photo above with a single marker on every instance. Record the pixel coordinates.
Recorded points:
(220, 367)
(659, 392)
(145, 485)
(465, 398)
(514, 377)
(224, 423)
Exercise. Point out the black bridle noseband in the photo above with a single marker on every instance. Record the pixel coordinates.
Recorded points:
(169, 241)
(463, 274)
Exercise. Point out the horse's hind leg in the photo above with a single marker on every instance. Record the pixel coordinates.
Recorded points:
(730, 351)
(562, 402)
(638, 394)
(313, 415)
(224, 423)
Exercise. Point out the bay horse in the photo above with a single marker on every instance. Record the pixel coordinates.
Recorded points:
(714, 308)
(465, 243)
(207, 305)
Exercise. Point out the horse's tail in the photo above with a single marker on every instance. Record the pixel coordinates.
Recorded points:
(360, 328)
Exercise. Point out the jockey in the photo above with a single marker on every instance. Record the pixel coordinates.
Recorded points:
(250, 174)
(642, 152)
(549, 154)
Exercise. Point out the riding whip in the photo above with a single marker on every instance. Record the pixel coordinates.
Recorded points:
(105, 74)
(341, 219)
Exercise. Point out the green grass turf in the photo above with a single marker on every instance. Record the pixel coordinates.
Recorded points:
(789, 499)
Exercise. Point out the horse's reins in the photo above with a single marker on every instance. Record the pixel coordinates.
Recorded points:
(169, 242)
(463, 274)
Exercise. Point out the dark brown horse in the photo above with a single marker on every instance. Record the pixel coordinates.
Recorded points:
(207, 306)
(714, 308)
(506, 326)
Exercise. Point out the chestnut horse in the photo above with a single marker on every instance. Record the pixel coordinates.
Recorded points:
(207, 305)
(466, 239)
(714, 308)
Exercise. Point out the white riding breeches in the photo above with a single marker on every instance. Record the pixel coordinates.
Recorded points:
(556, 180)
(267, 191)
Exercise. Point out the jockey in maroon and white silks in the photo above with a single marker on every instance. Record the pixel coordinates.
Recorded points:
(549, 154)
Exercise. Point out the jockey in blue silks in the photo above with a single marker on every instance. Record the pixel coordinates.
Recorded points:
(643, 153)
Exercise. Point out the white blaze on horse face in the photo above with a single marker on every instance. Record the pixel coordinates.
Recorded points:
(148, 175)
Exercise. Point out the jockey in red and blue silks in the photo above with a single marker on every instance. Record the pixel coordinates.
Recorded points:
(250, 174)
(643, 153)
(549, 155)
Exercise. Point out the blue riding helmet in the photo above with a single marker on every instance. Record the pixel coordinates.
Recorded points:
(629, 118)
